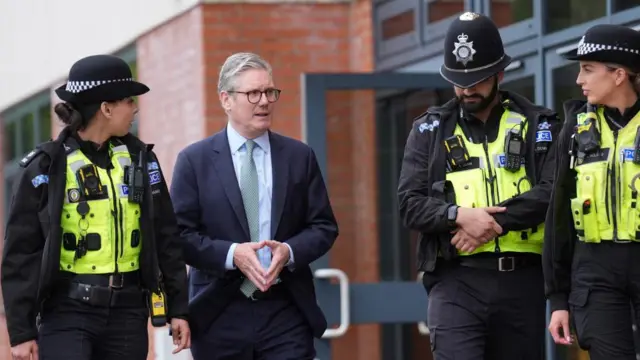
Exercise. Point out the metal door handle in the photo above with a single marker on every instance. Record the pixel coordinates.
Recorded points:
(423, 329)
(345, 308)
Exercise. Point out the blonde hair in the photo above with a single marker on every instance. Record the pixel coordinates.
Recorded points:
(634, 78)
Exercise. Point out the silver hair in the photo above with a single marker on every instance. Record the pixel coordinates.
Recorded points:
(237, 64)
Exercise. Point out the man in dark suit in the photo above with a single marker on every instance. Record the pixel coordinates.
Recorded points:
(254, 212)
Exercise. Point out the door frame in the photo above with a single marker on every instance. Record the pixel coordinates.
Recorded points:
(336, 299)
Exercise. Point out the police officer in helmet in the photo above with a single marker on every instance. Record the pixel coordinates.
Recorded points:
(475, 183)
(91, 241)
(592, 245)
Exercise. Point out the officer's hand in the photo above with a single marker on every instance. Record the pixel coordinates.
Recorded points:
(464, 242)
(245, 258)
(560, 321)
(478, 222)
(181, 335)
(279, 258)
(25, 351)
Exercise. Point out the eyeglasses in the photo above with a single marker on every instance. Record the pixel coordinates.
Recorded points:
(254, 96)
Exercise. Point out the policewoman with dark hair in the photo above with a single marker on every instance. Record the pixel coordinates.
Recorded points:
(592, 237)
(91, 244)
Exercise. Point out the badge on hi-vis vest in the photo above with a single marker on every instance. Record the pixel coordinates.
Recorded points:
(74, 195)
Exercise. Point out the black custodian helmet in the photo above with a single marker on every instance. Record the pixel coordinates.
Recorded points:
(473, 51)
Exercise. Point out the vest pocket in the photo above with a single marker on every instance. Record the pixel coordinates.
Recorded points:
(468, 186)
(588, 208)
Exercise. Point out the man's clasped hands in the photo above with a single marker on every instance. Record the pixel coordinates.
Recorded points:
(245, 258)
(475, 227)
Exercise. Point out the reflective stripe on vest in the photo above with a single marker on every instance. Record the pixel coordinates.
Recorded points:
(605, 207)
(489, 184)
(111, 229)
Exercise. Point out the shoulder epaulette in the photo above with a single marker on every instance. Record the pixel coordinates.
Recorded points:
(30, 156)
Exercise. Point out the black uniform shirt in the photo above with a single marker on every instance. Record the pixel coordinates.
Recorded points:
(479, 130)
(97, 154)
(617, 120)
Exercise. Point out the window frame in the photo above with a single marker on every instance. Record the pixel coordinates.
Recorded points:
(14, 115)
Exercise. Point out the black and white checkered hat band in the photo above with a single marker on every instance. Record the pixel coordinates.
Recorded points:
(587, 48)
(80, 86)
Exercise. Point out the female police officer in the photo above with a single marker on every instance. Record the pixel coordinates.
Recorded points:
(91, 239)
(592, 249)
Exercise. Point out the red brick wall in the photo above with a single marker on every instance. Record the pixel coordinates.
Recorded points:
(170, 62)
(328, 37)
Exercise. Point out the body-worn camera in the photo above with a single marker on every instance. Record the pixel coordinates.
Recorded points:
(89, 182)
(587, 134)
(457, 153)
(514, 149)
(135, 181)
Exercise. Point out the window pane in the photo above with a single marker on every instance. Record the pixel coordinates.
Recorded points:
(9, 141)
(441, 9)
(507, 12)
(565, 87)
(45, 123)
(27, 130)
(524, 87)
(562, 14)
(620, 5)
(397, 25)
(134, 69)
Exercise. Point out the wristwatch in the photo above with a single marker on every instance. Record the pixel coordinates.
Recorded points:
(452, 215)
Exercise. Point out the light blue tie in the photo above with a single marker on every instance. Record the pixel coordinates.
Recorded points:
(250, 199)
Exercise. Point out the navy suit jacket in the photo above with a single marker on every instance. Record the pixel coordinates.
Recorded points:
(211, 216)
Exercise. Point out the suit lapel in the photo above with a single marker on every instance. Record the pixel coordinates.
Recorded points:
(280, 166)
(224, 169)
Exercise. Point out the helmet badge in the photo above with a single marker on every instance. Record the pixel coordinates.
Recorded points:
(469, 16)
(464, 50)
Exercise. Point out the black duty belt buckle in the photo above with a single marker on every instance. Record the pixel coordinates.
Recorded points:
(506, 264)
(618, 241)
(116, 281)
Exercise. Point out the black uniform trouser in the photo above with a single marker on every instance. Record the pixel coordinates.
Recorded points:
(484, 314)
(605, 298)
(72, 329)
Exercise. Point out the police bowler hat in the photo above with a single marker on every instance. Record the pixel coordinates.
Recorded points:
(99, 78)
(607, 43)
(473, 51)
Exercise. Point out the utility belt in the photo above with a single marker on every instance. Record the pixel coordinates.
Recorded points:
(104, 290)
(507, 263)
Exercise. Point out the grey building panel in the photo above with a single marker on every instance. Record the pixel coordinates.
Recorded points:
(387, 10)
(399, 56)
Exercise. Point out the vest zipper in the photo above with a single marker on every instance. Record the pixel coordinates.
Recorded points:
(116, 217)
(614, 195)
(490, 179)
